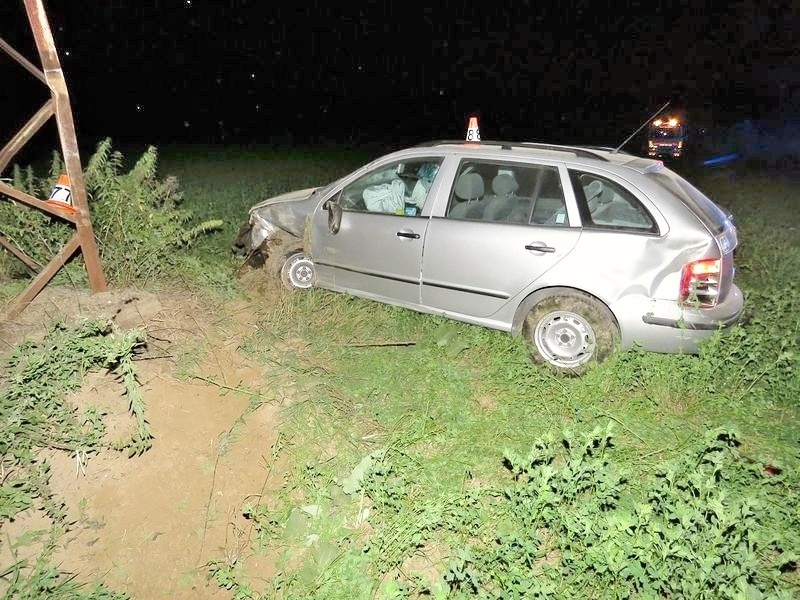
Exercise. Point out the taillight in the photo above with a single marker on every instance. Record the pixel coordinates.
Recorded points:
(700, 282)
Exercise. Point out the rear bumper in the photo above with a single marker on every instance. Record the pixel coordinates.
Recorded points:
(691, 321)
(666, 326)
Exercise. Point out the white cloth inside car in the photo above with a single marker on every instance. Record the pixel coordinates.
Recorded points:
(418, 194)
(385, 197)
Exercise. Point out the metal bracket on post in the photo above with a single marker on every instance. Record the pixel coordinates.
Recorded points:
(52, 76)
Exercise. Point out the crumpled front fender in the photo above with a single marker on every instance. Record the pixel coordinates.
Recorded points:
(260, 231)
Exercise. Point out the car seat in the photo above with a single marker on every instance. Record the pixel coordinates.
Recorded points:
(601, 201)
(469, 189)
(502, 202)
(592, 193)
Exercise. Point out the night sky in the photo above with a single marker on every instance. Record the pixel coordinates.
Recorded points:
(250, 71)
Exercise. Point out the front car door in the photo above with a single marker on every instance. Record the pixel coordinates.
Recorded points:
(377, 251)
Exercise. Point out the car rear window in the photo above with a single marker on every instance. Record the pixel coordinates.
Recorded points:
(605, 204)
(711, 215)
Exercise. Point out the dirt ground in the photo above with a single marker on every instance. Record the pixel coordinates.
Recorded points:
(150, 525)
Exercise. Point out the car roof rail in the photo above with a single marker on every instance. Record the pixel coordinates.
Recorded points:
(582, 152)
(576, 150)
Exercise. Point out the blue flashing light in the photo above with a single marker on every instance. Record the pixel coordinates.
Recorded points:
(718, 160)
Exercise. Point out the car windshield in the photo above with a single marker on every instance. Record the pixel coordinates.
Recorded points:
(701, 205)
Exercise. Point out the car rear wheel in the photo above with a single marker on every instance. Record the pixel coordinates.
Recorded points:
(298, 271)
(569, 330)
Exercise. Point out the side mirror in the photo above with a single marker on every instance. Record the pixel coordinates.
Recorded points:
(334, 215)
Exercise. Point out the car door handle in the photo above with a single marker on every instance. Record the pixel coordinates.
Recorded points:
(408, 234)
(539, 248)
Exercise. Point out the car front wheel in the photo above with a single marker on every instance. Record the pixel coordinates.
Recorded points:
(569, 330)
(298, 271)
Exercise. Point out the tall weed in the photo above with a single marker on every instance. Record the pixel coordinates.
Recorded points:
(142, 230)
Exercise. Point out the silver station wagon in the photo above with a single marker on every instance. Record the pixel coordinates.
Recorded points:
(581, 250)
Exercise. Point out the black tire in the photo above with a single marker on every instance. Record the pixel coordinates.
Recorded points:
(568, 331)
(298, 272)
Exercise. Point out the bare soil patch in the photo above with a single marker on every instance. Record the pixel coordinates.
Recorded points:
(150, 525)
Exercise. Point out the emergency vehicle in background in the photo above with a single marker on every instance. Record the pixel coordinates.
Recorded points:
(667, 135)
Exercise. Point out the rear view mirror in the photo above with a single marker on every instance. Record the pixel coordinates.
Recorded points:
(334, 215)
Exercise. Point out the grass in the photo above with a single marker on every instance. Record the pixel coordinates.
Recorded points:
(427, 458)
(416, 418)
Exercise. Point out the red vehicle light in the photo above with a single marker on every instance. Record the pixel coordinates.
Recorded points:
(700, 282)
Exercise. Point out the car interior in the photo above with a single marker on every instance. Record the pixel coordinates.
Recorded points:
(607, 205)
(516, 194)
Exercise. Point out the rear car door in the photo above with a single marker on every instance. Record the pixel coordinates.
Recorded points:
(505, 226)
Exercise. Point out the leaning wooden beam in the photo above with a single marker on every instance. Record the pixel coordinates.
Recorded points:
(43, 278)
(26, 64)
(48, 207)
(59, 260)
(16, 251)
(28, 130)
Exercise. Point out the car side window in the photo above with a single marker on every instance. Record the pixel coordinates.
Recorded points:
(508, 193)
(605, 204)
(398, 188)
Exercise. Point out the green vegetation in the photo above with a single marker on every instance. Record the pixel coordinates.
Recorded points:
(451, 468)
(37, 416)
(426, 458)
(142, 230)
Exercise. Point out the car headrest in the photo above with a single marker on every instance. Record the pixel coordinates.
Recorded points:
(593, 190)
(504, 184)
(470, 186)
(607, 195)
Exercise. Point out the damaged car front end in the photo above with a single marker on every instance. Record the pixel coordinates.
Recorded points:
(286, 212)
(275, 236)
